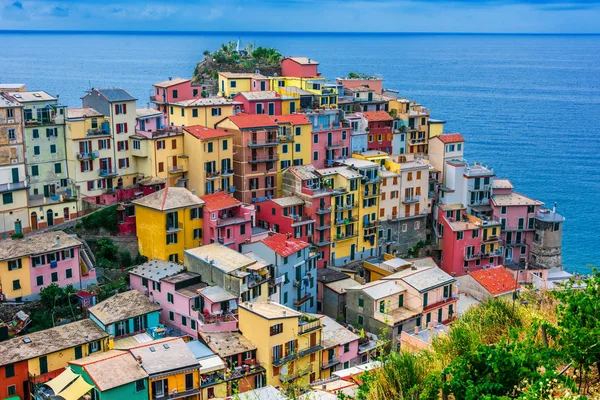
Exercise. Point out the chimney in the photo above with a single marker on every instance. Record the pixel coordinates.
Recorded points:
(554, 208)
(139, 360)
(57, 241)
(284, 312)
(416, 329)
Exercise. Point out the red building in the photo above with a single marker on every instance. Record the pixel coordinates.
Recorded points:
(302, 67)
(380, 125)
(305, 183)
(173, 90)
(286, 215)
(126, 210)
(14, 380)
(267, 102)
(255, 142)
(226, 220)
(330, 137)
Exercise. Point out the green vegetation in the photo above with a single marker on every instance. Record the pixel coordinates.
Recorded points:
(354, 75)
(543, 346)
(105, 218)
(56, 304)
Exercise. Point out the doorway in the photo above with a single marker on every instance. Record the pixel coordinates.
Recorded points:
(34, 221)
(50, 217)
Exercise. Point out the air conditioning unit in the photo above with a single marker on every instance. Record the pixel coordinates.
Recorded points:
(14, 160)
(296, 283)
(10, 120)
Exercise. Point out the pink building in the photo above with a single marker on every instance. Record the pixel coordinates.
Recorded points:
(226, 220)
(258, 102)
(379, 135)
(287, 215)
(330, 137)
(174, 289)
(52, 257)
(340, 346)
(126, 211)
(174, 90)
(517, 214)
(218, 310)
(302, 67)
(376, 84)
(148, 120)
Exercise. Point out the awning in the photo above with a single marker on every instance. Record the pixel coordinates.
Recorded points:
(62, 381)
(77, 389)
(211, 364)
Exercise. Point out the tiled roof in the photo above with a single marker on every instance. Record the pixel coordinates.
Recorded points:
(98, 364)
(377, 116)
(451, 138)
(260, 95)
(169, 198)
(496, 280)
(165, 356)
(295, 119)
(303, 60)
(327, 275)
(220, 257)
(270, 310)
(334, 334)
(147, 112)
(26, 97)
(171, 82)
(36, 244)
(514, 199)
(248, 121)
(427, 279)
(157, 269)
(502, 184)
(49, 341)
(116, 94)
(226, 344)
(288, 201)
(283, 245)
(219, 201)
(380, 289)
(242, 75)
(82, 112)
(204, 133)
(123, 306)
(207, 101)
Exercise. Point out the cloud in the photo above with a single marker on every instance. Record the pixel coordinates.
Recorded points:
(18, 5)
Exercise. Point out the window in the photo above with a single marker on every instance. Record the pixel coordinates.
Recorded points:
(171, 238)
(360, 320)
(39, 280)
(215, 112)
(78, 352)
(225, 144)
(503, 210)
(55, 277)
(198, 233)
(401, 300)
(14, 265)
(382, 306)
(120, 109)
(183, 321)
(193, 324)
(122, 128)
(11, 390)
(36, 134)
(425, 299)
(242, 229)
(69, 273)
(276, 329)
(260, 108)
(53, 149)
(284, 148)
(210, 147)
(195, 213)
(36, 150)
(298, 147)
(475, 233)
(58, 168)
(316, 156)
(170, 298)
(140, 385)
(189, 381)
(161, 166)
(195, 113)
(124, 163)
(43, 365)
(9, 370)
(459, 235)
(346, 347)
(7, 198)
(160, 145)
(171, 316)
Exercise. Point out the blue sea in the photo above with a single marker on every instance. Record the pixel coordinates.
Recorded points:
(528, 106)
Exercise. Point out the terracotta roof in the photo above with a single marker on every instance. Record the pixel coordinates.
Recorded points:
(247, 121)
(219, 201)
(377, 116)
(204, 133)
(296, 119)
(97, 364)
(283, 245)
(260, 95)
(171, 82)
(495, 280)
(36, 244)
(451, 138)
(169, 198)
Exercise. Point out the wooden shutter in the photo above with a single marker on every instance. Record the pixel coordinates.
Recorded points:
(108, 140)
(116, 109)
(81, 165)
(125, 125)
(124, 109)
(80, 147)
(127, 145)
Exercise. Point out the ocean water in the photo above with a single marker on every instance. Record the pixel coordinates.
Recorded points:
(528, 106)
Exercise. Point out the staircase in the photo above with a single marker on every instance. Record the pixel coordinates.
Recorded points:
(88, 260)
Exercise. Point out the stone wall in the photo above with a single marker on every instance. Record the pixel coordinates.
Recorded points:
(402, 241)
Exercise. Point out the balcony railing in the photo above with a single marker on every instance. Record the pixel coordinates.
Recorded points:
(286, 138)
(342, 207)
(333, 145)
(411, 199)
(339, 190)
(263, 142)
(345, 236)
(296, 374)
(175, 169)
(265, 158)
(302, 300)
(331, 362)
(346, 221)
(226, 172)
(366, 180)
(324, 242)
(87, 156)
(231, 220)
(174, 227)
(301, 220)
(211, 379)
(370, 224)
(107, 172)
(323, 227)
(309, 350)
(323, 210)
(216, 318)
(98, 131)
(283, 360)
(9, 187)
(444, 300)
(372, 193)
(44, 121)
(177, 395)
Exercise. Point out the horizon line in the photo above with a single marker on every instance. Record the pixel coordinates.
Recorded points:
(210, 32)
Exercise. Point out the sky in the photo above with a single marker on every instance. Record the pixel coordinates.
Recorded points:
(477, 16)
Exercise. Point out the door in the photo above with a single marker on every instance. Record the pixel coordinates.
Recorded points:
(263, 85)
(174, 161)
(352, 251)
(271, 108)
(50, 218)
(509, 253)
(440, 316)
(329, 138)
(66, 213)
(18, 230)
(15, 175)
(34, 221)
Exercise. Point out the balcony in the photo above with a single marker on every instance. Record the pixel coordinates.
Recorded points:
(346, 221)
(333, 145)
(211, 175)
(302, 300)
(99, 131)
(492, 238)
(265, 158)
(309, 350)
(267, 142)
(480, 202)
(324, 242)
(174, 227)
(257, 280)
(167, 131)
(242, 371)
(346, 206)
(411, 199)
(373, 193)
(286, 138)
(107, 172)
(340, 190)
(54, 120)
(226, 172)
(344, 236)
(518, 228)
(370, 224)
(366, 180)
(9, 187)
(88, 156)
(331, 362)
(212, 379)
(217, 319)
(177, 395)
(323, 227)
(323, 211)
(175, 169)
(300, 220)
(417, 141)
(231, 220)
(307, 324)
(445, 300)
(284, 360)
(484, 188)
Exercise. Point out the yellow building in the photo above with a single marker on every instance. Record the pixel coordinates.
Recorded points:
(205, 111)
(171, 368)
(418, 129)
(325, 95)
(88, 141)
(48, 352)
(211, 164)
(232, 83)
(168, 222)
(436, 127)
(289, 343)
(294, 143)
(344, 183)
